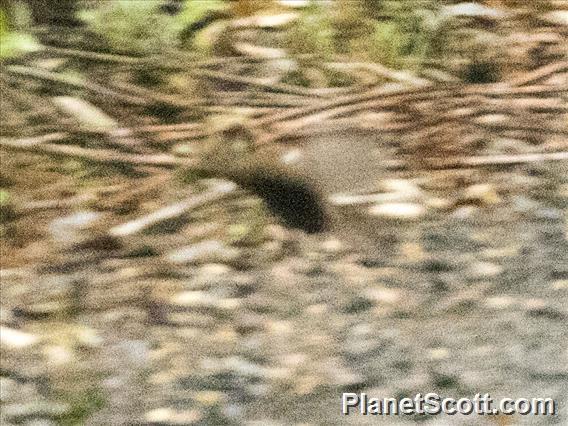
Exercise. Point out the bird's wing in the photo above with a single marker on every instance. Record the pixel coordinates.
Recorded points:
(343, 159)
(341, 162)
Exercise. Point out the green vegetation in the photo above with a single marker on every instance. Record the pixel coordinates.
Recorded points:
(249, 230)
(410, 34)
(313, 33)
(405, 34)
(133, 26)
(142, 27)
(14, 40)
(83, 405)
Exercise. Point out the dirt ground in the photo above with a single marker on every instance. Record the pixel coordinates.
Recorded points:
(274, 333)
(132, 294)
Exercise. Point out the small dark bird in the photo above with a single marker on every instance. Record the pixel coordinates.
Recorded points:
(299, 177)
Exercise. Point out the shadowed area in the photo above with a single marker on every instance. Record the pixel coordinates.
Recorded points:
(293, 201)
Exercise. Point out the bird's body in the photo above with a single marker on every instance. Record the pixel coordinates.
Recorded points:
(298, 178)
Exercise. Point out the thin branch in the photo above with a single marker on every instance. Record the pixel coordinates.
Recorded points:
(496, 160)
(402, 95)
(526, 127)
(28, 143)
(94, 56)
(381, 71)
(540, 74)
(500, 89)
(258, 83)
(39, 205)
(385, 95)
(155, 180)
(166, 127)
(66, 80)
(218, 192)
(97, 155)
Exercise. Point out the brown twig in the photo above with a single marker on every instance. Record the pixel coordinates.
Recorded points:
(156, 179)
(219, 191)
(166, 128)
(65, 80)
(28, 143)
(496, 160)
(38, 145)
(540, 74)
(94, 56)
(39, 205)
(383, 95)
(381, 71)
(271, 87)
(402, 95)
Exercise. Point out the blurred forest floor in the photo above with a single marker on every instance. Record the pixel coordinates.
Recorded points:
(136, 293)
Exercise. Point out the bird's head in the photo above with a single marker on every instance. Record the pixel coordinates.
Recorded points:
(272, 173)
